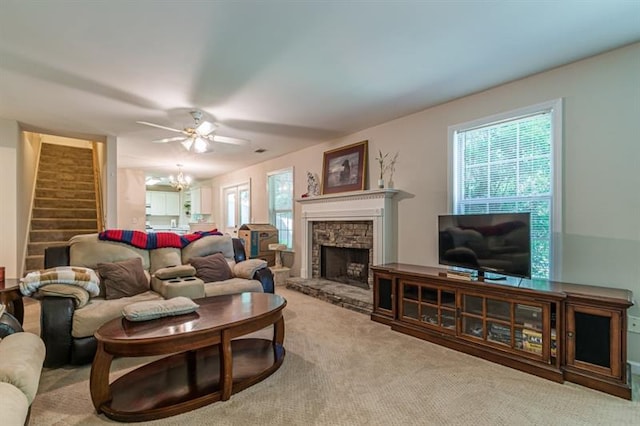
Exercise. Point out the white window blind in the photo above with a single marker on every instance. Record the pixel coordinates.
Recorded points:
(507, 165)
(280, 188)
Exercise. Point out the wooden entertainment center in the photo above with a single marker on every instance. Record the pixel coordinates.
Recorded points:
(554, 330)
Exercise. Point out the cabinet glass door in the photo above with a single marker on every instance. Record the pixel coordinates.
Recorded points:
(473, 316)
(432, 306)
(429, 305)
(509, 324)
(410, 307)
(529, 331)
(448, 309)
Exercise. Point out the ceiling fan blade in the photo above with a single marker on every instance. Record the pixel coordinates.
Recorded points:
(205, 128)
(232, 141)
(146, 123)
(173, 139)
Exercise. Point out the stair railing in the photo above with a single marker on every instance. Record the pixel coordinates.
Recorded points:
(97, 181)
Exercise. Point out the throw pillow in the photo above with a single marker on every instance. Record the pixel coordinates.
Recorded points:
(124, 278)
(211, 268)
(152, 309)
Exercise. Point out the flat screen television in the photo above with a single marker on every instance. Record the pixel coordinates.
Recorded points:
(495, 242)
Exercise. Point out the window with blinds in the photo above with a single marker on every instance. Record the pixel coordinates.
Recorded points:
(280, 188)
(506, 164)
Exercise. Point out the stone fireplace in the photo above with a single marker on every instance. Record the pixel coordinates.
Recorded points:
(354, 230)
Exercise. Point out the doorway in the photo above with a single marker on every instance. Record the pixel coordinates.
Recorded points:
(237, 207)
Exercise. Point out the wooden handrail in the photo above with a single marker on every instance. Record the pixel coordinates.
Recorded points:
(97, 181)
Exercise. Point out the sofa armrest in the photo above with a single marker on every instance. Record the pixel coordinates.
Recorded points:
(56, 256)
(238, 250)
(265, 276)
(56, 320)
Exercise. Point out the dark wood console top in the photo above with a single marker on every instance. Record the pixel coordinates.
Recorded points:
(621, 297)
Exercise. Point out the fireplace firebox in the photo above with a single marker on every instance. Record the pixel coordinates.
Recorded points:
(345, 265)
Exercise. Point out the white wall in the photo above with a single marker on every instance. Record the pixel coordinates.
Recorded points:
(131, 199)
(110, 181)
(28, 152)
(600, 241)
(9, 140)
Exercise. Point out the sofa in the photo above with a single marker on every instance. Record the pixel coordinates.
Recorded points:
(21, 355)
(69, 321)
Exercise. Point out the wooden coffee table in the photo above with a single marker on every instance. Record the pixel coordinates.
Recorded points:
(205, 364)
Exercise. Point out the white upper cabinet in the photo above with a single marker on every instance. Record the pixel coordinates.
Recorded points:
(201, 200)
(163, 203)
(172, 205)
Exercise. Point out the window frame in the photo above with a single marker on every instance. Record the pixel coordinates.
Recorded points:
(553, 107)
(271, 212)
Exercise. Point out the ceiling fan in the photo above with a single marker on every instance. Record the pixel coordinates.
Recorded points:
(199, 137)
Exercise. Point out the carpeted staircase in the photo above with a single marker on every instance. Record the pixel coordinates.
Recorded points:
(64, 204)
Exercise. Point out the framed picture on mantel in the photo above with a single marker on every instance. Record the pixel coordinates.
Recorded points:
(344, 169)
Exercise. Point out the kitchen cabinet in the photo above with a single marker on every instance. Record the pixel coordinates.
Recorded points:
(201, 200)
(163, 203)
(172, 204)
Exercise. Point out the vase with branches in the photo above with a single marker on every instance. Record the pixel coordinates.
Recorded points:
(386, 165)
(381, 159)
(392, 169)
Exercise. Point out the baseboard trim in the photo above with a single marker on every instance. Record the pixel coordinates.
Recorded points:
(635, 367)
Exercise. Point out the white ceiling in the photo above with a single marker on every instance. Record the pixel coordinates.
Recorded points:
(283, 74)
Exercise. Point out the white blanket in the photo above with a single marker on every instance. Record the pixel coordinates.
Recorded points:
(72, 275)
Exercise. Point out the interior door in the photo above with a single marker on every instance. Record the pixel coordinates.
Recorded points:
(237, 207)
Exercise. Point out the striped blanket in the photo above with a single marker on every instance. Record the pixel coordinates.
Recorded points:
(73, 275)
(153, 240)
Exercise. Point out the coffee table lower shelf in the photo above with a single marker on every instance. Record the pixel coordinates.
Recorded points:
(189, 380)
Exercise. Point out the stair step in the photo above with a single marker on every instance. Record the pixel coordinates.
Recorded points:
(51, 224)
(34, 263)
(57, 235)
(62, 184)
(74, 168)
(66, 175)
(63, 213)
(64, 204)
(37, 249)
(64, 193)
(53, 203)
(64, 150)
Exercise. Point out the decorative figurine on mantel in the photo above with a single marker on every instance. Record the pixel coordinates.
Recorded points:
(313, 185)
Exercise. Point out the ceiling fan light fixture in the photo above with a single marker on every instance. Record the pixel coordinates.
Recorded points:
(187, 143)
(205, 128)
(200, 145)
(200, 137)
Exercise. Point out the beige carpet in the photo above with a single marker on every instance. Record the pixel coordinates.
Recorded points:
(343, 369)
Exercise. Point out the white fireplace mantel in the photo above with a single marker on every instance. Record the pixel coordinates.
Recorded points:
(376, 205)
